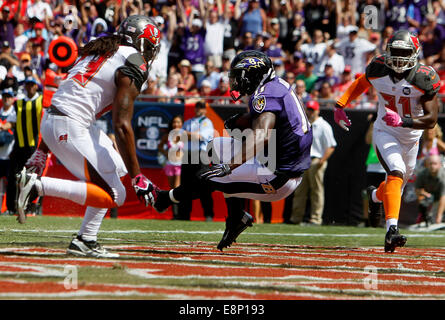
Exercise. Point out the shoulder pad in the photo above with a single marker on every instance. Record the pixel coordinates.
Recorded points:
(377, 68)
(136, 69)
(426, 79)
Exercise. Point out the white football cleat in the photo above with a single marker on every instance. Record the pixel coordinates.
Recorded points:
(82, 248)
(26, 192)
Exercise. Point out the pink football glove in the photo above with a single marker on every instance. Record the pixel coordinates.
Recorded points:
(392, 118)
(341, 118)
(37, 162)
(145, 189)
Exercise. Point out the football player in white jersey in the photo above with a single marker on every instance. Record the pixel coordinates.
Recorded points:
(407, 105)
(108, 75)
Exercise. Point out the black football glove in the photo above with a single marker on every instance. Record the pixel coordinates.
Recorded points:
(231, 122)
(216, 170)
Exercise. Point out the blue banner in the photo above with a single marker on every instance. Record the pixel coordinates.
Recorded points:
(150, 122)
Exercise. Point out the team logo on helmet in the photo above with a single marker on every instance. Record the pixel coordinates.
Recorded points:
(259, 103)
(250, 63)
(151, 33)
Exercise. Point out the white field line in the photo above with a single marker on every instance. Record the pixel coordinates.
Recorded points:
(368, 293)
(39, 270)
(401, 266)
(151, 273)
(135, 290)
(87, 293)
(354, 235)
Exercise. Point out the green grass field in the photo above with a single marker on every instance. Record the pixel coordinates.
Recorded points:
(57, 232)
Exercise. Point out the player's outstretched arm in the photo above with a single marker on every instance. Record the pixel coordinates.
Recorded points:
(355, 89)
(430, 107)
(430, 113)
(122, 114)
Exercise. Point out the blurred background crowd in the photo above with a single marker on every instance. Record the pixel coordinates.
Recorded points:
(319, 46)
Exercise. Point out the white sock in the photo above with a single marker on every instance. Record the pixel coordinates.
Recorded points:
(391, 222)
(91, 223)
(75, 191)
(374, 196)
(172, 198)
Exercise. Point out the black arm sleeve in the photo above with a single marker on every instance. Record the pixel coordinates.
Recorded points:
(136, 69)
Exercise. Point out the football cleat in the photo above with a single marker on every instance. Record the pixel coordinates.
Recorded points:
(162, 200)
(81, 248)
(374, 209)
(234, 229)
(394, 239)
(26, 187)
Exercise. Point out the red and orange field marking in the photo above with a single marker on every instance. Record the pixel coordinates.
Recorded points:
(180, 270)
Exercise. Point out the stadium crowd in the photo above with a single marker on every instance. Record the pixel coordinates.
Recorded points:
(318, 46)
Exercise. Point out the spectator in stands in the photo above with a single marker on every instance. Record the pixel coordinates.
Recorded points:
(345, 81)
(282, 11)
(199, 132)
(28, 112)
(20, 39)
(212, 74)
(344, 25)
(375, 38)
(193, 42)
(186, 75)
(223, 90)
(312, 184)
(205, 90)
(325, 93)
(6, 142)
(369, 100)
(295, 33)
(308, 76)
(253, 20)
(432, 36)
(214, 39)
(40, 10)
(315, 50)
(159, 67)
(38, 60)
(298, 66)
(232, 14)
(152, 89)
(7, 54)
(327, 76)
(290, 78)
(356, 51)
(7, 25)
(170, 88)
(301, 91)
(398, 16)
(19, 70)
(272, 48)
(227, 60)
(431, 143)
(334, 59)
(430, 190)
(386, 35)
(278, 65)
(171, 146)
(313, 15)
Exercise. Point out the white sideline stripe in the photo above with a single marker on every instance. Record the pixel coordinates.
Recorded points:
(218, 232)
